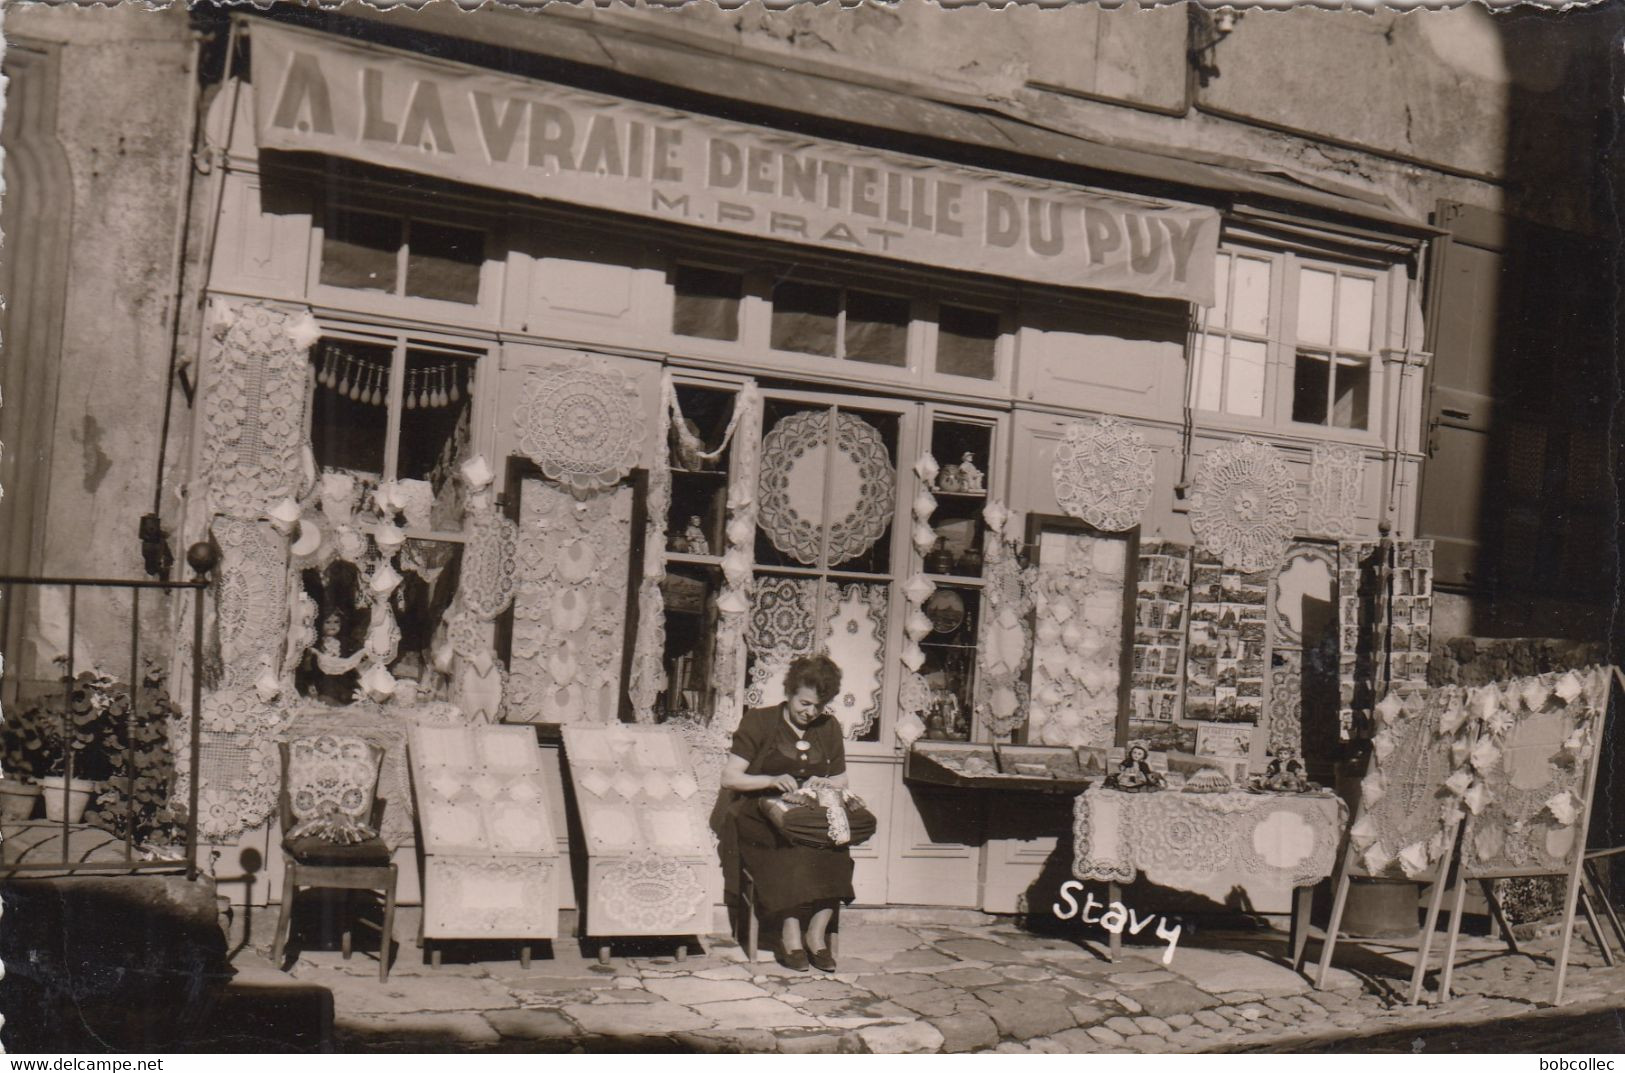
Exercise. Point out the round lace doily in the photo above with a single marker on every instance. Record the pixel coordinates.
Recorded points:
(861, 492)
(1245, 505)
(581, 424)
(1104, 474)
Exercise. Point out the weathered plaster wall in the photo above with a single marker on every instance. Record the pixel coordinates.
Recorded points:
(122, 113)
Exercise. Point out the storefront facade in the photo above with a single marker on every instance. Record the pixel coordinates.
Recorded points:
(745, 394)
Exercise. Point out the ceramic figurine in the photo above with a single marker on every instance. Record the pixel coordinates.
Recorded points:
(948, 479)
(694, 538)
(970, 478)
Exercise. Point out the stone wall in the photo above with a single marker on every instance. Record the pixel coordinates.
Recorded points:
(1476, 661)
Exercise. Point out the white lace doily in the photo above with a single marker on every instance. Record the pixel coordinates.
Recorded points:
(781, 615)
(1104, 473)
(1286, 704)
(1336, 488)
(252, 598)
(253, 411)
(861, 488)
(488, 578)
(648, 893)
(1245, 504)
(857, 644)
(581, 423)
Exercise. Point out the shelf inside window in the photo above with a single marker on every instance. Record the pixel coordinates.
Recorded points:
(697, 560)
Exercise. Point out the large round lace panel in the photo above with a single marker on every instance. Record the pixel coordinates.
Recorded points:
(862, 486)
(1104, 474)
(581, 424)
(1245, 504)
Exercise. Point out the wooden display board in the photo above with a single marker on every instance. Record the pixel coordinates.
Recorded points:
(1403, 806)
(650, 862)
(1539, 790)
(490, 857)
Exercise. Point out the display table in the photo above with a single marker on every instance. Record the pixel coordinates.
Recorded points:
(1273, 848)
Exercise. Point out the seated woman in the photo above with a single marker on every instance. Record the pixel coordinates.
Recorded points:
(775, 751)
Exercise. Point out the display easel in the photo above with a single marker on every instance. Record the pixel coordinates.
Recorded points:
(1433, 765)
(490, 859)
(646, 862)
(1574, 874)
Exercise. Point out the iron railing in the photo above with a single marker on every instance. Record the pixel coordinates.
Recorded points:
(65, 828)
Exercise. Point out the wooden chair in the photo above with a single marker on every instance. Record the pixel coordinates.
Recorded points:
(318, 863)
(751, 925)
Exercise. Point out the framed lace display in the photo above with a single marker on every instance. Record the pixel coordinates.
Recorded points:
(1083, 598)
(490, 842)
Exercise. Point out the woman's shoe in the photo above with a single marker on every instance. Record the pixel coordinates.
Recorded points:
(795, 960)
(822, 960)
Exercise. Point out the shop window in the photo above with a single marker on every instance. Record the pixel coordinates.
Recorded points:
(835, 322)
(1288, 340)
(695, 540)
(1232, 349)
(824, 553)
(1331, 382)
(705, 302)
(402, 256)
(967, 342)
(330, 670)
(399, 410)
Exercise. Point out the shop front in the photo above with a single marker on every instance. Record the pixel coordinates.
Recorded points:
(526, 404)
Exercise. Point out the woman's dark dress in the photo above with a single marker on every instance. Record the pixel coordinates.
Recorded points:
(788, 877)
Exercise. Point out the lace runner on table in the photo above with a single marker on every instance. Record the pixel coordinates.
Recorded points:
(1209, 844)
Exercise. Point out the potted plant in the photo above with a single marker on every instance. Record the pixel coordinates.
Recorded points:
(132, 760)
(24, 757)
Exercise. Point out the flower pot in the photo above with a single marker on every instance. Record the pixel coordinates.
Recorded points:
(78, 796)
(17, 799)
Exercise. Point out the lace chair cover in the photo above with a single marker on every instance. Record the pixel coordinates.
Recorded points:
(332, 784)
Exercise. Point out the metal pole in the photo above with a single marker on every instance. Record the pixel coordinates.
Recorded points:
(131, 719)
(197, 711)
(67, 715)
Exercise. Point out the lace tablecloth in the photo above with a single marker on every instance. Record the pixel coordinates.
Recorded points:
(1209, 844)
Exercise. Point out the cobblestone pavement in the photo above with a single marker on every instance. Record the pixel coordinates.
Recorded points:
(956, 982)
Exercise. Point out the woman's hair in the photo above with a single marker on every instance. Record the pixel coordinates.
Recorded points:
(819, 672)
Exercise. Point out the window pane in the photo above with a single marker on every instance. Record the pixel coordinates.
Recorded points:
(967, 342)
(444, 262)
(1219, 315)
(1351, 406)
(1251, 307)
(1309, 389)
(804, 318)
(1354, 297)
(877, 328)
(1315, 307)
(706, 303)
(349, 415)
(1209, 378)
(1244, 388)
(359, 251)
(437, 412)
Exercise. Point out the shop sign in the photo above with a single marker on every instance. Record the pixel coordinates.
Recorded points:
(317, 94)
